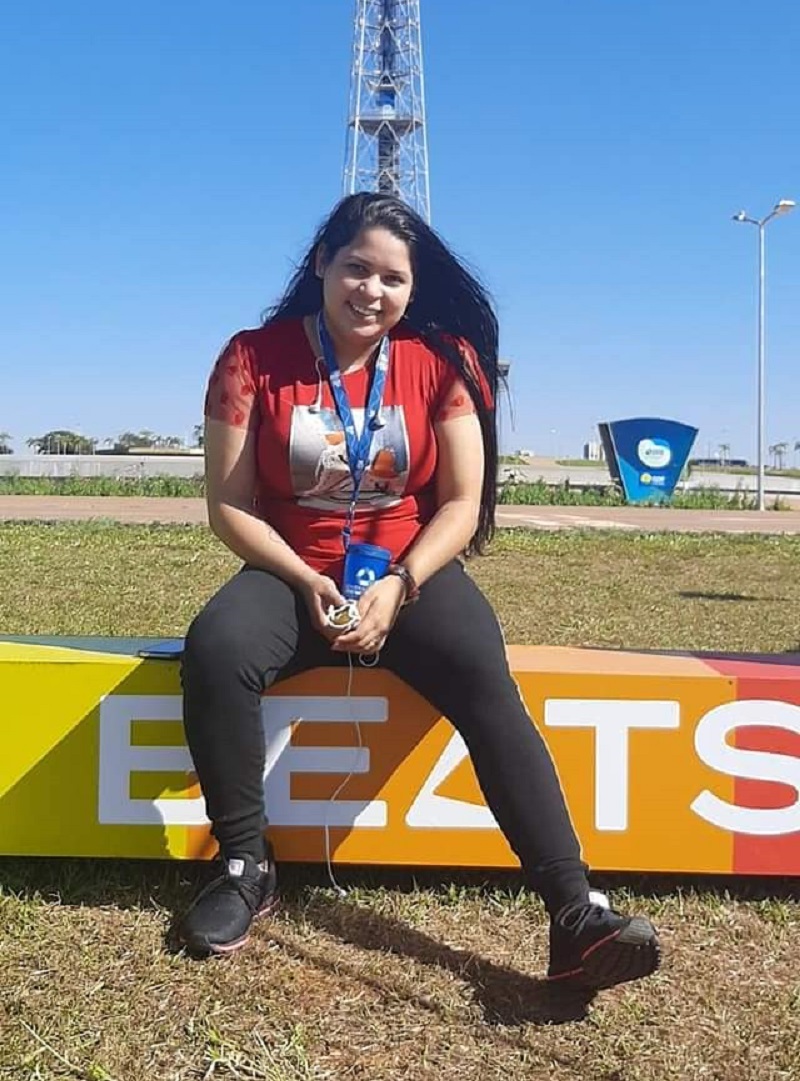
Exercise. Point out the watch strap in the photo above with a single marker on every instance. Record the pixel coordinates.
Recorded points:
(408, 579)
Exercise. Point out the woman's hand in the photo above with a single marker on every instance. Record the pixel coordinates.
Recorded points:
(378, 606)
(320, 592)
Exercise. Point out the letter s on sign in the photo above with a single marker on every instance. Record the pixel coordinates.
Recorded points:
(710, 741)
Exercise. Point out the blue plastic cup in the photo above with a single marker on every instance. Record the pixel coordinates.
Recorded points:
(363, 565)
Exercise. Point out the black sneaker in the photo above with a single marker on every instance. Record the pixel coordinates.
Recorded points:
(592, 947)
(219, 918)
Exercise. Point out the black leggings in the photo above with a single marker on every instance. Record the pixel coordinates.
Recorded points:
(448, 647)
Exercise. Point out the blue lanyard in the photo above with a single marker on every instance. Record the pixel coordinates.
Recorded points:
(358, 446)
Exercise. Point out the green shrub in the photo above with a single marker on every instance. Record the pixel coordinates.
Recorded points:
(179, 487)
(542, 494)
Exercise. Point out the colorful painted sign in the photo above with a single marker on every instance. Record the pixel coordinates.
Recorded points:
(670, 762)
(646, 455)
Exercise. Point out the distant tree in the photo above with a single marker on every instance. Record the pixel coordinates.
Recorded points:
(198, 434)
(5, 443)
(146, 438)
(778, 452)
(136, 439)
(61, 441)
(724, 452)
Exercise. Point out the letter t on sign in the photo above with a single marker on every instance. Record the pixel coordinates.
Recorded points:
(612, 719)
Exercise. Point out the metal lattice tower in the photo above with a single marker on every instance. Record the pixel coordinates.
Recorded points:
(387, 146)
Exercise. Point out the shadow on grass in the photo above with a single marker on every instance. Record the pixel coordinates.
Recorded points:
(742, 888)
(127, 884)
(694, 595)
(169, 885)
(505, 996)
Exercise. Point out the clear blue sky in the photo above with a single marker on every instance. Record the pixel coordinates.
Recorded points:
(162, 164)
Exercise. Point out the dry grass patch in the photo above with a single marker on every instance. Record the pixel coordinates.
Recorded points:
(646, 591)
(395, 981)
(412, 979)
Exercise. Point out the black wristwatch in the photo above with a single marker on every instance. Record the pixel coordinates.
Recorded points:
(408, 579)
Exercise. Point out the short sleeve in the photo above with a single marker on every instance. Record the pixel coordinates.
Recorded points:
(231, 394)
(455, 400)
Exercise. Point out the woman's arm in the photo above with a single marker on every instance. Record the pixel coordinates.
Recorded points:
(459, 482)
(230, 496)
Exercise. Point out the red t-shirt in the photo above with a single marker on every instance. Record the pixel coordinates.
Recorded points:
(270, 381)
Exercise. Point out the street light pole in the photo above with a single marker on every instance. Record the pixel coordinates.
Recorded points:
(781, 207)
(761, 426)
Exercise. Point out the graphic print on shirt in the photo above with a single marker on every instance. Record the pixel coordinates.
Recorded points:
(318, 459)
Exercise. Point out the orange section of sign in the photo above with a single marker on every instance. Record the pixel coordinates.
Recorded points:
(390, 810)
(623, 745)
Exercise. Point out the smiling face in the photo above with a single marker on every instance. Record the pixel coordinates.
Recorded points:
(366, 288)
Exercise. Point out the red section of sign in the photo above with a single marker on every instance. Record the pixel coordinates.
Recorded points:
(777, 855)
(766, 855)
(783, 668)
(775, 677)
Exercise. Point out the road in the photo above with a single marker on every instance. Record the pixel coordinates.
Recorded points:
(626, 519)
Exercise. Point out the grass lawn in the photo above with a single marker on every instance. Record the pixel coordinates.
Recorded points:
(426, 977)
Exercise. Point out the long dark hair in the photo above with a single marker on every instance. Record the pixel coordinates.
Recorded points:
(448, 303)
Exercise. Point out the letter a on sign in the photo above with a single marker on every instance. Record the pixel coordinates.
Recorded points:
(432, 811)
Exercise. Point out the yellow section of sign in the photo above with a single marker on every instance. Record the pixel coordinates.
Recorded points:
(50, 703)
